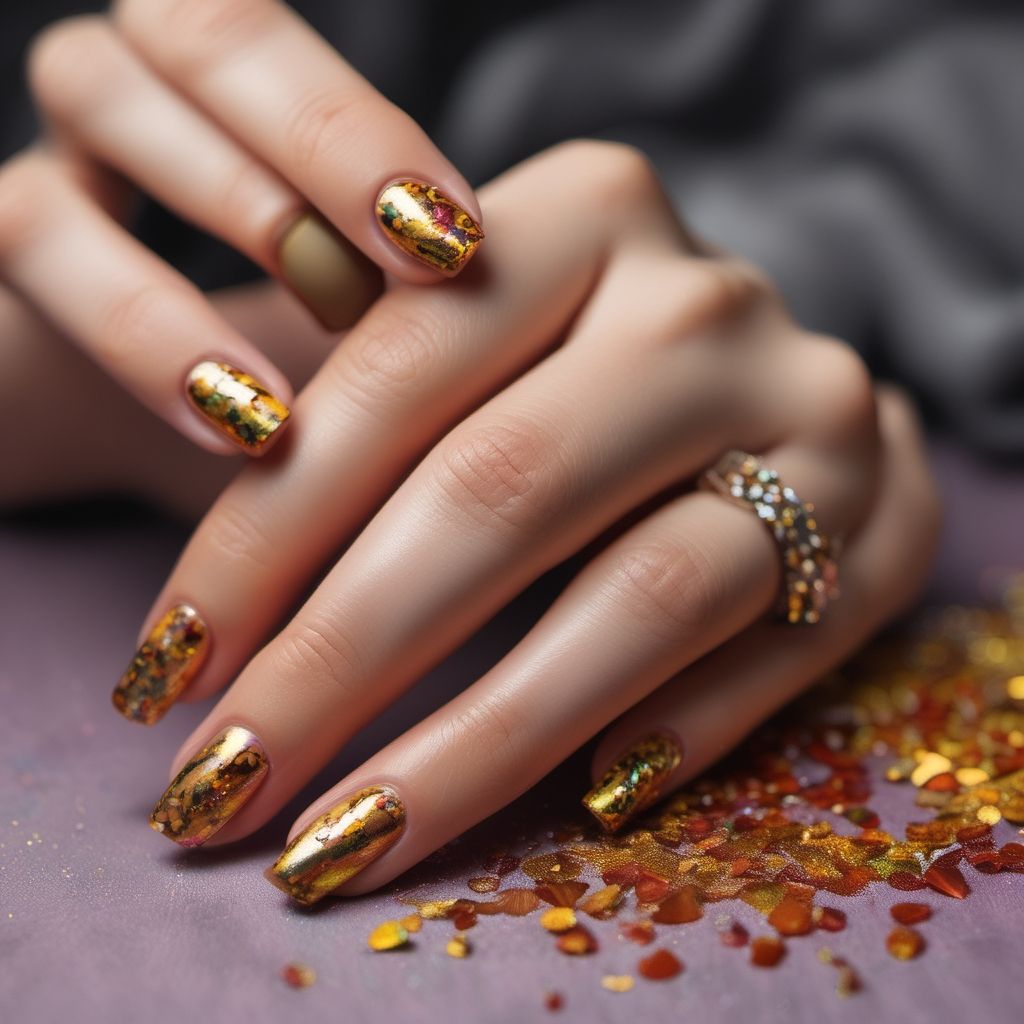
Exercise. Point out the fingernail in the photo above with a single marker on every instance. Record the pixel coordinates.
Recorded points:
(211, 788)
(335, 281)
(425, 223)
(235, 404)
(339, 844)
(163, 666)
(634, 782)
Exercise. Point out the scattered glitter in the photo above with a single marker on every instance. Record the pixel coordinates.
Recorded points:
(904, 943)
(298, 975)
(910, 913)
(389, 935)
(458, 947)
(558, 919)
(766, 951)
(489, 883)
(660, 966)
(617, 982)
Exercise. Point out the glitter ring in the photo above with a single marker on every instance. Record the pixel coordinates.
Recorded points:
(808, 563)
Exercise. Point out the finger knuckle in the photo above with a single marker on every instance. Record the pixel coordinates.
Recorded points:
(131, 323)
(844, 392)
(234, 536)
(23, 203)
(668, 587)
(394, 352)
(320, 124)
(718, 292)
(66, 63)
(500, 473)
(614, 171)
(492, 727)
(319, 649)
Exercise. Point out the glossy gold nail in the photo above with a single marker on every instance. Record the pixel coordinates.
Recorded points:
(634, 782)
(339, 844)
(335, 281)
(163, 666)
(211, 787)
(235, 404)
(425, 223)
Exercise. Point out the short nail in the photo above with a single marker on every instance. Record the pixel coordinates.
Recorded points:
(211, 788)
(235, 404)
(335, 281)
(425, 223)
(163, 666)
(339, 844)
(634, 782)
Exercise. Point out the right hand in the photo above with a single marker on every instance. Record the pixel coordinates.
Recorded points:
(239, 118)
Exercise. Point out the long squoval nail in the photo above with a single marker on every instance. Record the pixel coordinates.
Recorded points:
(236, 404)
(634, 782)
(425, 223)
(335, 281)
(339, 844)
(163, 666)
(211, 787)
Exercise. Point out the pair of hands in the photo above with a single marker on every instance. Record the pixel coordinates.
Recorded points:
(559, 397)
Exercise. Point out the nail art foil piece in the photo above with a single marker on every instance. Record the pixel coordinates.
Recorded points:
(163, 666)
(211, 788)
(339, 844)
(634, 782)
(236, 404)
(423, 222)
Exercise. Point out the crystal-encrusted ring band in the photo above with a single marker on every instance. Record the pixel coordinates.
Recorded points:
(808, 557)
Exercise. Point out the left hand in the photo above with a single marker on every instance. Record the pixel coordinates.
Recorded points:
(570, 386)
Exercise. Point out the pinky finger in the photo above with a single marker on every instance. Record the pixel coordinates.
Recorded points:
(713, 704)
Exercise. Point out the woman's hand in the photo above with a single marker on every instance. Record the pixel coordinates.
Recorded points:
(238, 117)
(561, 397)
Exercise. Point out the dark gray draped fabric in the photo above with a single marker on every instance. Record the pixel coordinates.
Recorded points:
(868, 153)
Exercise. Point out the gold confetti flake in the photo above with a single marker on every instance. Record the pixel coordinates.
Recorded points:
(458, 947)
(412, 923)
(1015, 687)
(389, 935)
(618, 982)
(558, 919)
(989, 814)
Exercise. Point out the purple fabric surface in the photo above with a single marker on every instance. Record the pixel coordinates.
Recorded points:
(102, 920)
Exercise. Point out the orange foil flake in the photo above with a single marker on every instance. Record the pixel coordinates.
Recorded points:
(910, 913)
(577, 941)
(948, 880)
(640, 932)
(602, 903)
(298, 975)
(659, 966)
(828, 919)
(791, 917)
(766, 951)
(681, 907)
(561, 894)
(904, 943)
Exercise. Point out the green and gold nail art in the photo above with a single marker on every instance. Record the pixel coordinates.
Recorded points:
(634, 782)
(339, 844)
(211, 787)
(236, 404)
(425, 223)
(163, 666)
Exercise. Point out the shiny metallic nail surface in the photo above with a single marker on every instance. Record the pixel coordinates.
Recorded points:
(335, 281)
(235, 404)
(339, 844)
(163, 666)
(425, 223)
(211, 787)
(634, 782)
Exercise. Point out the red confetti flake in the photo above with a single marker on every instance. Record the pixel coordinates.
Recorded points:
(734, 936)
(1011, 852)
(513, 902)
(947, 879)
(625, 875)
(501, 864)
(561, 894)
(974, 833)
(577, 941)
(650, 888)
(553, 1001)
(464, 920)
(660, 966)
(944, 782)
(791, 917)
(640, 932)
(988, 862)
(681, 907)
(298, 975)
(828, 919)
(905, 881)
(766, 951)
(862, 817)
(910, 913)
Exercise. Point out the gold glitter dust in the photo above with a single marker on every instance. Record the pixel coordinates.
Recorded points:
(298, 975)
(558, 919)
(458, 947)
(488, 883)
(389, 935)
(618, 982)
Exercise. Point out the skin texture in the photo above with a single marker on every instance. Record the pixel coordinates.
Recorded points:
(560, 395)
(238, 117)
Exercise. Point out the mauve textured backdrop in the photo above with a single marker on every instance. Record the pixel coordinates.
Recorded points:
(870, 155)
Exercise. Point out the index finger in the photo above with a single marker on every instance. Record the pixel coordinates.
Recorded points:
(276, 85)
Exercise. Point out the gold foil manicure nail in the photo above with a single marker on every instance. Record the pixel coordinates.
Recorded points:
(335, 281)
(235, 404)
(339, 844)
(211, 787)
(163, 666)
(425, 223)
(634, 782)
